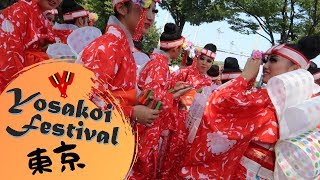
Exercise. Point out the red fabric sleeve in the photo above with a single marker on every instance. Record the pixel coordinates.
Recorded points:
(12, 46)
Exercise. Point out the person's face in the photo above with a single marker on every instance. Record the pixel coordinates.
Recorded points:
(276, 65)
(204, 63)
(82, 22)
(132, 17)
(150, 17)
(176, 52)
(48, 4)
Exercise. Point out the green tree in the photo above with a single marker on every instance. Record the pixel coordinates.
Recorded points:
(102, 7)
(151, 39)
(7, 3)
(310, 11)
(195, 11)
(289, 18)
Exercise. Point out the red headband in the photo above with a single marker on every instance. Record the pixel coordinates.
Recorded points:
(208, 53)
(172, 44)
(291, 54)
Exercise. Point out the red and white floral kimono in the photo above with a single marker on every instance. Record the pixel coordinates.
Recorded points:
(192, 76)
(297, 112)
(24, 33)
(235, 116)
(174, 156)
(110, 58)
(154, 76)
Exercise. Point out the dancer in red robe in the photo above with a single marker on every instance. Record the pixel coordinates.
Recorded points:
(25, 33)
(197, 77)
(240, 121)
(74, 16)
(155, 76)
(110, 58)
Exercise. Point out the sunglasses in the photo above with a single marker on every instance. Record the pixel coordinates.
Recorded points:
(270, 58)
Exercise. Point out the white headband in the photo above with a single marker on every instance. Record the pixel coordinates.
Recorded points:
(172, 44)
(75, 14)
(208, 53)
(291, 54)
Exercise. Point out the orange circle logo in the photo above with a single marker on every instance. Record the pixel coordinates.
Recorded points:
(49, 128)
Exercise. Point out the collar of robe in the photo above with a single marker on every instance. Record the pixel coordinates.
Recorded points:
(114, 21)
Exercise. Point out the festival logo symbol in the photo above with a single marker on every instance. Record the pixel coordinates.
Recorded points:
(63, 82)
(50, 129)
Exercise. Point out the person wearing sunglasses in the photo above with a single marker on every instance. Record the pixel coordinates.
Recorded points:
(239, 127)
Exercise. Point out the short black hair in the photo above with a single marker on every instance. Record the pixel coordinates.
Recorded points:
(189, 61)
(231, 65)
(138, 45)
(213, 71)
(211, 47)
(313, 68)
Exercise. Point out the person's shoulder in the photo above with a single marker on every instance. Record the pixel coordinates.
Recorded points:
(20, 7)
(140, 58)
(115, 32)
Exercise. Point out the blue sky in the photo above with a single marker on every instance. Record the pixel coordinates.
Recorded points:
(222, 36)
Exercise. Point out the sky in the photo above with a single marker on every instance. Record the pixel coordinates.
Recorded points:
(222, 36)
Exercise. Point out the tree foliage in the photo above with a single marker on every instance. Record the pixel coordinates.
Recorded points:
(195, 12)
(102, 7)
(151, 40)
(289, 18)
(7, 3)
